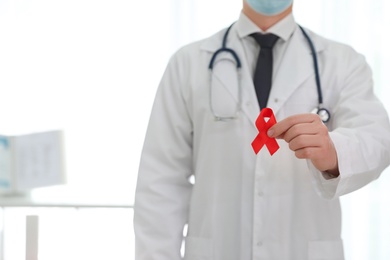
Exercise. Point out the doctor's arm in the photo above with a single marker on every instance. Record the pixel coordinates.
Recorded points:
(163, 190)
(357, 148)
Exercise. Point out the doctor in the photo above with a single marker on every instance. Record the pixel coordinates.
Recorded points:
(201, 170)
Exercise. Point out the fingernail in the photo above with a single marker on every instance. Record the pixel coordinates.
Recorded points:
(270, 133)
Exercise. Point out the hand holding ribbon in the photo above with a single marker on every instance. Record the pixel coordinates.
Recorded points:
(308, 138)
(263, 126)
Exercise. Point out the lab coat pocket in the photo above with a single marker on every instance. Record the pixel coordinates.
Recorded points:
(326, 250)
(197, 248)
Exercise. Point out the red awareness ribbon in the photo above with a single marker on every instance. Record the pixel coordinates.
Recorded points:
(263, 126)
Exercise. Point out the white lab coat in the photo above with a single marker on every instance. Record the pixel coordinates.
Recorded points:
(245, 206)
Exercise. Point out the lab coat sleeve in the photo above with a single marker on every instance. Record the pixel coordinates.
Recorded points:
(163, 189)
(361, 131)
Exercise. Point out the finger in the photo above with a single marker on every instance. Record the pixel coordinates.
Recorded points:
(305, 141)
(301, 129)
(280, 128)
(316, 155)
(307, 153)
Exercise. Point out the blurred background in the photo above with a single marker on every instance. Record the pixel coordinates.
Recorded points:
(90, 68)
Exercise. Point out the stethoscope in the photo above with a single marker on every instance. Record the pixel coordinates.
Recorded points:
(323, 113)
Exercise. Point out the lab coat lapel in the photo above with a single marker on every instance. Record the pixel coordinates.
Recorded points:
(295, 68)
(249, 104)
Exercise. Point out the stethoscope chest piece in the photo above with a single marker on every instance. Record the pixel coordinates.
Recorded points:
(323, 113)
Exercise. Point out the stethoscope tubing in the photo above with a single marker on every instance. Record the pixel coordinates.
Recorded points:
(320, 110)
(315, 62)
(225, 49)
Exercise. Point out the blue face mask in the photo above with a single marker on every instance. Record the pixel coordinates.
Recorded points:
(269, 7)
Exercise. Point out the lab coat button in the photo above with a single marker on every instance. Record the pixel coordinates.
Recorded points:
(276, 100)
(260, 194)
(259, 244)
(248, 104)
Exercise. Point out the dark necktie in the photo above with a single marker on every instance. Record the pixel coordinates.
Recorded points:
(263, 74)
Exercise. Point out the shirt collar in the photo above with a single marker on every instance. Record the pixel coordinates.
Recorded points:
(284, 28)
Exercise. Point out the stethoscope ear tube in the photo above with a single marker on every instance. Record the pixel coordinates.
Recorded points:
(315, 63)
(322, 112)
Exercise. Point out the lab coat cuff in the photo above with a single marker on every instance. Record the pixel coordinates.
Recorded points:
(325, 185)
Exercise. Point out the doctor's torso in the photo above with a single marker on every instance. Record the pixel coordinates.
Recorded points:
(246, 205)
